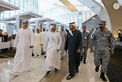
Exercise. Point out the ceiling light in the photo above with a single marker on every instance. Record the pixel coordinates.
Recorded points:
(93, 18)
(70, 6)
(116, 6)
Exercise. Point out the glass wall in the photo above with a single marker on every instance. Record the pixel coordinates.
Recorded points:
(64, 16)
(24, 5)
(57, 12)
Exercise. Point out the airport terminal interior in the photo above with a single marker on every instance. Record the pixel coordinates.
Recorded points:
(60, 40)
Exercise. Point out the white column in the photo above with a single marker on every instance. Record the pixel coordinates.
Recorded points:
(80, 21)
(18, 22)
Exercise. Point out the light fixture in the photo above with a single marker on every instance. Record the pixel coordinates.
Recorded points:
(93, 18)
(119, 31)
(116, 6)
(70, 6)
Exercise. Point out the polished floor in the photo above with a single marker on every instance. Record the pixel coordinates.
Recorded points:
(59, 76)
(86, 74)
(36, 73)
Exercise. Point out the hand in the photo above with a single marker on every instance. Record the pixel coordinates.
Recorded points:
(14, 48)
(78, 51)
(92, 50)
(62, 57)
(31, 46)
(112, 52)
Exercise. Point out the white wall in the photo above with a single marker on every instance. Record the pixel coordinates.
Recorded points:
(115, 16)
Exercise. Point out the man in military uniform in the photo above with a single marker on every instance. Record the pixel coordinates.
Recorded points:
(103, 43)
(85, 44)
(90, 34)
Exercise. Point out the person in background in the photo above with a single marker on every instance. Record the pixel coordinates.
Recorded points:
(91, 31)
(90, 37)
(97, 28)
(120, 35)
(52, 47)
(73, 44)
(44, 33)
(37, 43)
(103, 44)
(5, 37)
(85, 44)
(63, 36)
(23, 45)
(33, 36)
(33, 30)
(1, 35)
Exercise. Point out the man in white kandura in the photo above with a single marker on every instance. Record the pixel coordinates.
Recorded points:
(63, 37)
(44, 35)
(23, 46)
(43, 39)
(52, 47)
(37, 43)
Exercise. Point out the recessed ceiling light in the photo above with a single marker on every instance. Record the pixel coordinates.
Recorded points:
(93, 18)
(116, 6)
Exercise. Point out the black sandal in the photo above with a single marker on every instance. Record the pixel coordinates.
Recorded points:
(47, 73)
(69, 77)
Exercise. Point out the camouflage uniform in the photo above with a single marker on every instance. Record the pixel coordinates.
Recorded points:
(103, 43)
(90, 39)
(85, 43)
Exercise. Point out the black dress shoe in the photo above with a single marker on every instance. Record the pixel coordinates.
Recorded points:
(102, 76)
(81, 58)
(97, 69)
(84, 61)
(76, 71)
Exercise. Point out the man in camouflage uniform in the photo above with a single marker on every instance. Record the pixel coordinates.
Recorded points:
(103, 43)
(90, 38)
(85, 44)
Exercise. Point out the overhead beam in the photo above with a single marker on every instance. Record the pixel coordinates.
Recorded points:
(5, 6)
(91, 5)
(69, 5)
